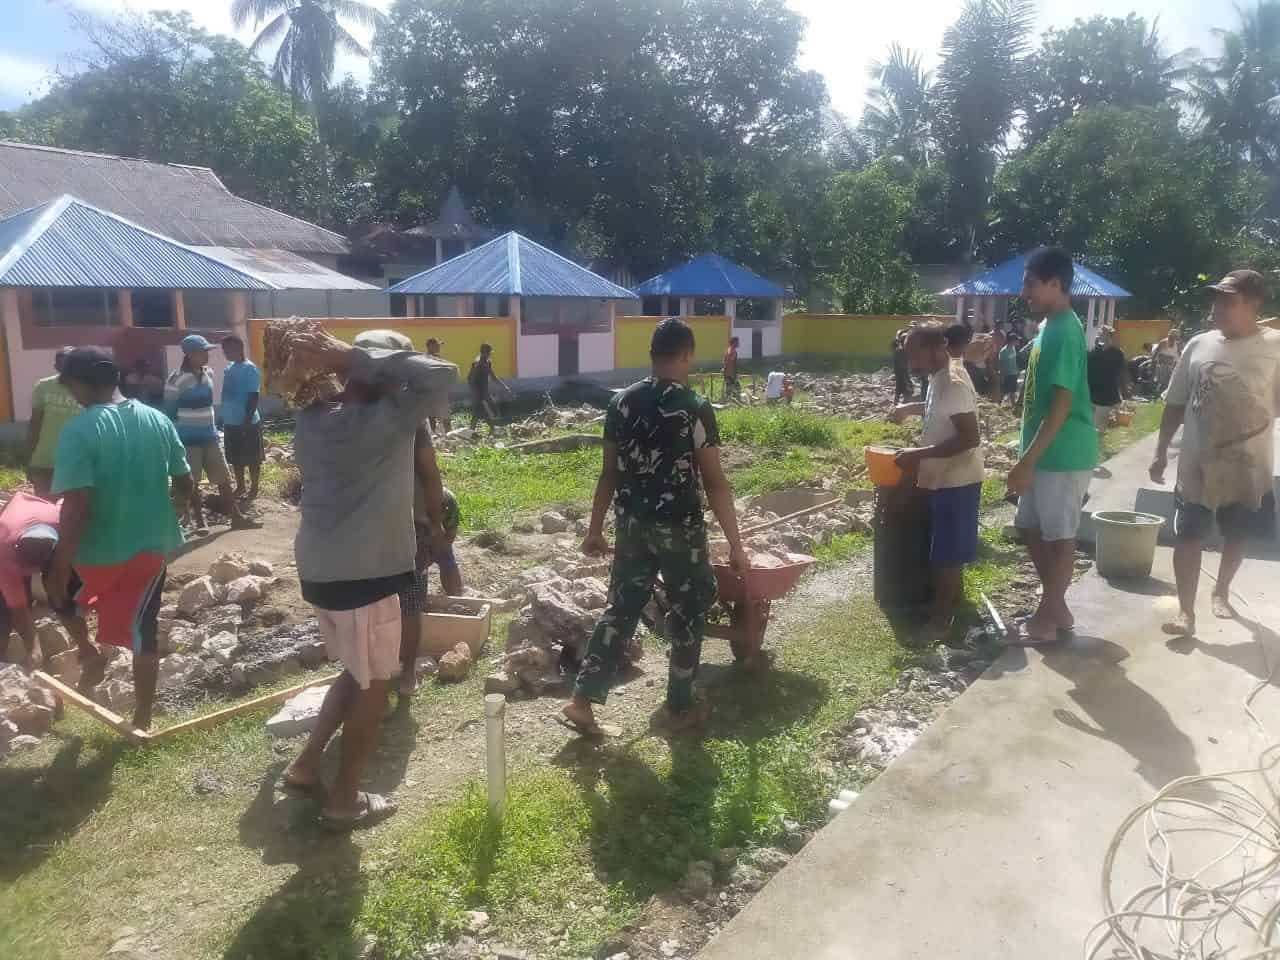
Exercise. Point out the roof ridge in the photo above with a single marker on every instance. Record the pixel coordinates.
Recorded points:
(34, 231)
(22, 145)
(64, 201)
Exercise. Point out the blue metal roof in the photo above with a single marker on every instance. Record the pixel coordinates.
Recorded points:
(68, 243)
(1006, 281)
(511, 265)
(710, 275)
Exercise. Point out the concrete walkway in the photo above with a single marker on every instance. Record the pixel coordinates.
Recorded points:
(986, 839)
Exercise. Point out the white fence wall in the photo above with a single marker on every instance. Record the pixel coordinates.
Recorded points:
(538, 355)
(595, 352)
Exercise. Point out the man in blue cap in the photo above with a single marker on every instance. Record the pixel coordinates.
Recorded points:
(188, 399)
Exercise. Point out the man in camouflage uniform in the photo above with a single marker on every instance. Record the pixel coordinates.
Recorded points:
(661, 450)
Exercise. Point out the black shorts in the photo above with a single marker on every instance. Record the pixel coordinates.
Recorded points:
(1191, 521)
(243, 444)
(1009, 384)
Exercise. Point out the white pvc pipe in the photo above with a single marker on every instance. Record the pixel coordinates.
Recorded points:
(495, 713)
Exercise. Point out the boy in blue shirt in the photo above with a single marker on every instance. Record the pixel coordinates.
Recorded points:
(241, 421)
(188, 400)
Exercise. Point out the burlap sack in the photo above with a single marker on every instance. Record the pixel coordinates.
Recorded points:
(297, 386)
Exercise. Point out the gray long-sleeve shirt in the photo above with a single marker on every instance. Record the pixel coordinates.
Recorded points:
(357, 470)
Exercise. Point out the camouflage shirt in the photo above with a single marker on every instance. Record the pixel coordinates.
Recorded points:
(657, 425)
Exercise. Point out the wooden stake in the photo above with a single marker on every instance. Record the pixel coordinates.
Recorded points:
(95, 710)
(227, 713)
(790, 516)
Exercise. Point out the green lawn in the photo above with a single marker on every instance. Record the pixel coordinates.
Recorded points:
(1146, 419)
(494, 486)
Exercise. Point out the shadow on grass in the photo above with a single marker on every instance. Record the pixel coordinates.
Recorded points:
(42, 806)
(312, 916)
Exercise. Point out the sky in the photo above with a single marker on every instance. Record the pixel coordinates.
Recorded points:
(843, 37)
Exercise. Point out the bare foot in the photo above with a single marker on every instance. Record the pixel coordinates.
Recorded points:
(299, 777)
(1034, 633)
(1183, 625)
(408, 680)
(1222, 608)
(690, 717)
(580, 716)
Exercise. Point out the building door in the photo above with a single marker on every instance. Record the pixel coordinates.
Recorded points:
(399, 305)
(568, 366)
(757, 343)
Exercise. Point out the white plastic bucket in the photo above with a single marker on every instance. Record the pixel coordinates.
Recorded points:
(1126, 542)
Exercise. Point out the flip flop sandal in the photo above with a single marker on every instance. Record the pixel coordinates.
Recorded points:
(376, 809)
(200, 531)
(1022, 637)
(246, 523)
(600, 731)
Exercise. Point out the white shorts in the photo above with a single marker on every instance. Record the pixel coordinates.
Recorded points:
(1053, 503)
(366, 640)
(1102, 416)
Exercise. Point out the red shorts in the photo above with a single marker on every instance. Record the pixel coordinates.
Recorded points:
(126, 597)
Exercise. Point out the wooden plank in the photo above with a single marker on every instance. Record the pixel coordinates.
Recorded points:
(95, 710)
(220, 716)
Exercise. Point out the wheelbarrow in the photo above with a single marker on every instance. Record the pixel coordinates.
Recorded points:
(747, 601)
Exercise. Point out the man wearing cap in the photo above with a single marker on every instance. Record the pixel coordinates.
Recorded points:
(1108, 375)
(28, 537)
(1225, 394)
(241, 421)
(355, 546)
(52, 405)
(117, 523)
(188, 399)
(441, 416)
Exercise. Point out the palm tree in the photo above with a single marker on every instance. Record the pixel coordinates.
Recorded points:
(310, 33)
(1237, 94)
(980, 84)
(898, 117)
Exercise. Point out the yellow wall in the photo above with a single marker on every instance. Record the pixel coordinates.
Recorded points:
(632, 335)
(845, 334)
(462, 337)
(1132, 334)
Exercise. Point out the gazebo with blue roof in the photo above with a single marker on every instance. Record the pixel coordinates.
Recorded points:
(712, 277)
(992, 291)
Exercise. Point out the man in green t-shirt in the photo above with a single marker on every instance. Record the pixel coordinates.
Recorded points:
(52, 406)
(661, 451)
(117, 524)
(1059, 442)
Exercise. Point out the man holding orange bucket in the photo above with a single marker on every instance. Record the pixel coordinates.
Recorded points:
(948, 464)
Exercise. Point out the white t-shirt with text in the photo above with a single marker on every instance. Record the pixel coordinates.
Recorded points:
(950, 393)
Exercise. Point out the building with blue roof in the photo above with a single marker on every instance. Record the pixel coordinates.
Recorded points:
(711, 285)
(983, 301)
(563, 313)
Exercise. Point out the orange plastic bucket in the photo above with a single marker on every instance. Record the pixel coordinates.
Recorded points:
(882, 469)
(1122, 418)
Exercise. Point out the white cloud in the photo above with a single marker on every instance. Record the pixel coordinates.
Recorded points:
(22, 79)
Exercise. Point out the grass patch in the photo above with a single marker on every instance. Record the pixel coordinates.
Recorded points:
(844, 546)
(995, 567)
(12, 477)
(776, 427)
(775, 472)
(993, 491)
(493, 486)
(1146, 419)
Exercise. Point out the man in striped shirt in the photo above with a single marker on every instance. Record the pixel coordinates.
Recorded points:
(188, 399)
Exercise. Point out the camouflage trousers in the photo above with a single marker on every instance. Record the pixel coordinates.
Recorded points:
(644, 549)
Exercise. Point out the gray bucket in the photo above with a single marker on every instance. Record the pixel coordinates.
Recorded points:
(1125, 544)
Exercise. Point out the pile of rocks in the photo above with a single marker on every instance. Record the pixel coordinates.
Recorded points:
(549, 637)
(803, 534)
(199, 636)
(26, 710)
(861, 396)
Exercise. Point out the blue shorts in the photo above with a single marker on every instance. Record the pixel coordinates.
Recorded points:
(953, 531)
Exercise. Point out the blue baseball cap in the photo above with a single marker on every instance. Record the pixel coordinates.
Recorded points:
(193, 342)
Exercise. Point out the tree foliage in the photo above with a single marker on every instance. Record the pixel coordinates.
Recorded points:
(1149, 206)
(1103, 60)
(870, 212)
(898, 118)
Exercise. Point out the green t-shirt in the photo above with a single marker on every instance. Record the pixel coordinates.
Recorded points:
(59, 407)
(1008, 361)
(124, 453)
(1059, 359)
(658, 426)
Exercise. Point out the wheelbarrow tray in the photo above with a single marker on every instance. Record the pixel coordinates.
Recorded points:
(761, 583)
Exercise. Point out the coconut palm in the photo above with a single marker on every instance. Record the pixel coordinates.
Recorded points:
(897, 118)
(310, 34)
(1237, 94)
